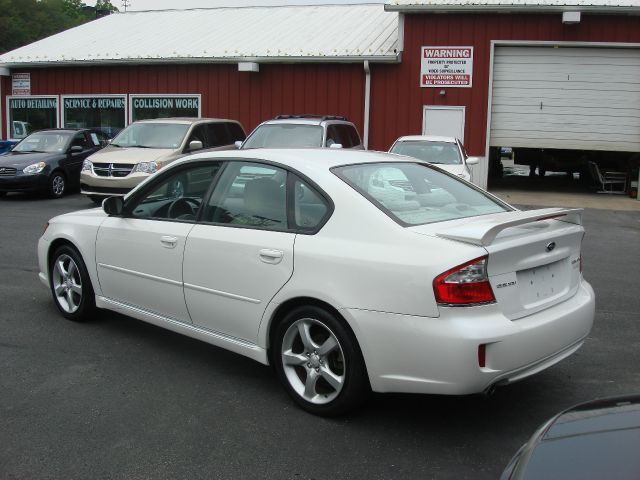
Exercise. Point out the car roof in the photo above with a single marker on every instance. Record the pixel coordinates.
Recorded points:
(61, 130)
(307, 160)
(306, 121)
(427, 138)
(184, 120)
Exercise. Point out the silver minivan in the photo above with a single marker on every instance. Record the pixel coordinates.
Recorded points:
(144, 147)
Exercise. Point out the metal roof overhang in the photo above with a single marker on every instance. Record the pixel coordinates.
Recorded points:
(396, 58)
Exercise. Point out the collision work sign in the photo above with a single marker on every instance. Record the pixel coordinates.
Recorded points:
(446, 67)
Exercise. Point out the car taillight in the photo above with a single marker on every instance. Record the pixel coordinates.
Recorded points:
(466, 284)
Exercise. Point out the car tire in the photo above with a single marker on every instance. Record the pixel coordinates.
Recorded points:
(70, 285)
(318, 360)
(57, 185)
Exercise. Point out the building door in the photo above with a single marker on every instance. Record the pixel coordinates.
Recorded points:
(446, 121)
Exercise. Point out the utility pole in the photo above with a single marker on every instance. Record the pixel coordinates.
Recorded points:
(125, 4)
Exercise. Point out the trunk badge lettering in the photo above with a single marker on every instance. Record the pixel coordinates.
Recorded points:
(506, 284)
(551, 246)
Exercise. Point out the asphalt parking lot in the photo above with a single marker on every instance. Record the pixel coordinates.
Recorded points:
(118, 398)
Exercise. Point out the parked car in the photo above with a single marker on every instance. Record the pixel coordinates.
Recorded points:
(448, 290)
(446, 152)
(304, 131)
(7, 145)
(593, 440)
(146, 146)
(48, 161)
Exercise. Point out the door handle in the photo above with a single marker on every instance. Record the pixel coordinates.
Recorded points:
(269, 255)
(168, 241)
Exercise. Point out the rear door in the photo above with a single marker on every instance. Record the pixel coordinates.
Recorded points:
(74, 161)
(241, 253)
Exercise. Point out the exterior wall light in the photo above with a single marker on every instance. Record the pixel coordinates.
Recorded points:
(248, 67)
(442, 93)
(570, 18)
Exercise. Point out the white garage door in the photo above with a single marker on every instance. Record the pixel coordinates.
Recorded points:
(573, 98)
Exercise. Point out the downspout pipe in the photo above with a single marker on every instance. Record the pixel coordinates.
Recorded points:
(367, 103)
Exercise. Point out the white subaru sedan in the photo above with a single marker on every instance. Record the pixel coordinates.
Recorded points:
(315, 262)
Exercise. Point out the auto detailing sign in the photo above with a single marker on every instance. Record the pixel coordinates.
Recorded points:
(446, 67)
(20, 84)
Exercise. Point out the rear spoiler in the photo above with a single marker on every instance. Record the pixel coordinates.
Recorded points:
(483, 230)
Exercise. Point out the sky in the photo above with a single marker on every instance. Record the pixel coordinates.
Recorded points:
(181, 4)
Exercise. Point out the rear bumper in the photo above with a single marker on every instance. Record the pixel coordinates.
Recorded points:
(440, 355)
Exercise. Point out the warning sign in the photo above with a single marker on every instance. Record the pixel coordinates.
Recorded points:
(21, 84)
(446, 67)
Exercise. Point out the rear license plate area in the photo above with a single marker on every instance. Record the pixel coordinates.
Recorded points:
(542, 284)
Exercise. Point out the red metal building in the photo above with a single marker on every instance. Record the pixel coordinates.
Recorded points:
(371, 63)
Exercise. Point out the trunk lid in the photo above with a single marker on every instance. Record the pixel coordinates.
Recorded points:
(534, 256)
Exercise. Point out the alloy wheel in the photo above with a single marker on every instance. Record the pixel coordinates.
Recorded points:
(57, 185)
(67, 283)
(313, 361)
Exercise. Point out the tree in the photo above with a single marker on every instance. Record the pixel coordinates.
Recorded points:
(26, 21)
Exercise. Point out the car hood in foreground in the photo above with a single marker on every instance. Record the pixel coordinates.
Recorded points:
(597, 439)
(113, 154)
(20, 160)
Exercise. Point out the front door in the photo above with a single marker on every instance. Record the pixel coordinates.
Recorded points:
(140, 254)
(241, 253)
(446, 121)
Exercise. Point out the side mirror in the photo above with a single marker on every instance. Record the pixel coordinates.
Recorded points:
(238, 144)
(335, 145)
(474, 160)
(75, 149)
(113, 206)
(195, 145)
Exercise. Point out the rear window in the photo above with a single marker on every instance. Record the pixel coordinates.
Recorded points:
(285, 136)
(415, 194)
(439, 153)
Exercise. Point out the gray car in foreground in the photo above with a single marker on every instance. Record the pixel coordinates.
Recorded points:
(594, 440)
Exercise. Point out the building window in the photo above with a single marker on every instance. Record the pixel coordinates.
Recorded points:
(104, 112)
(164, 106)
(28, 114)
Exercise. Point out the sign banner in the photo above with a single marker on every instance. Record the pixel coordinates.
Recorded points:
(20, 84)
(94, 102)
(38, 103)
(165, 102)
(446, 67)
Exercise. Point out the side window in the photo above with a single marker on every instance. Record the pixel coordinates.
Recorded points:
(199, 134)
(333, 135)
(80, 140)
(178, 196)
(218, 135)
(345, 136)
(310, 208)
(250, 195)
(236, 132)
(353, 135)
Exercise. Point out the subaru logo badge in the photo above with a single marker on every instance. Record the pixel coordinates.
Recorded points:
(551, 246)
